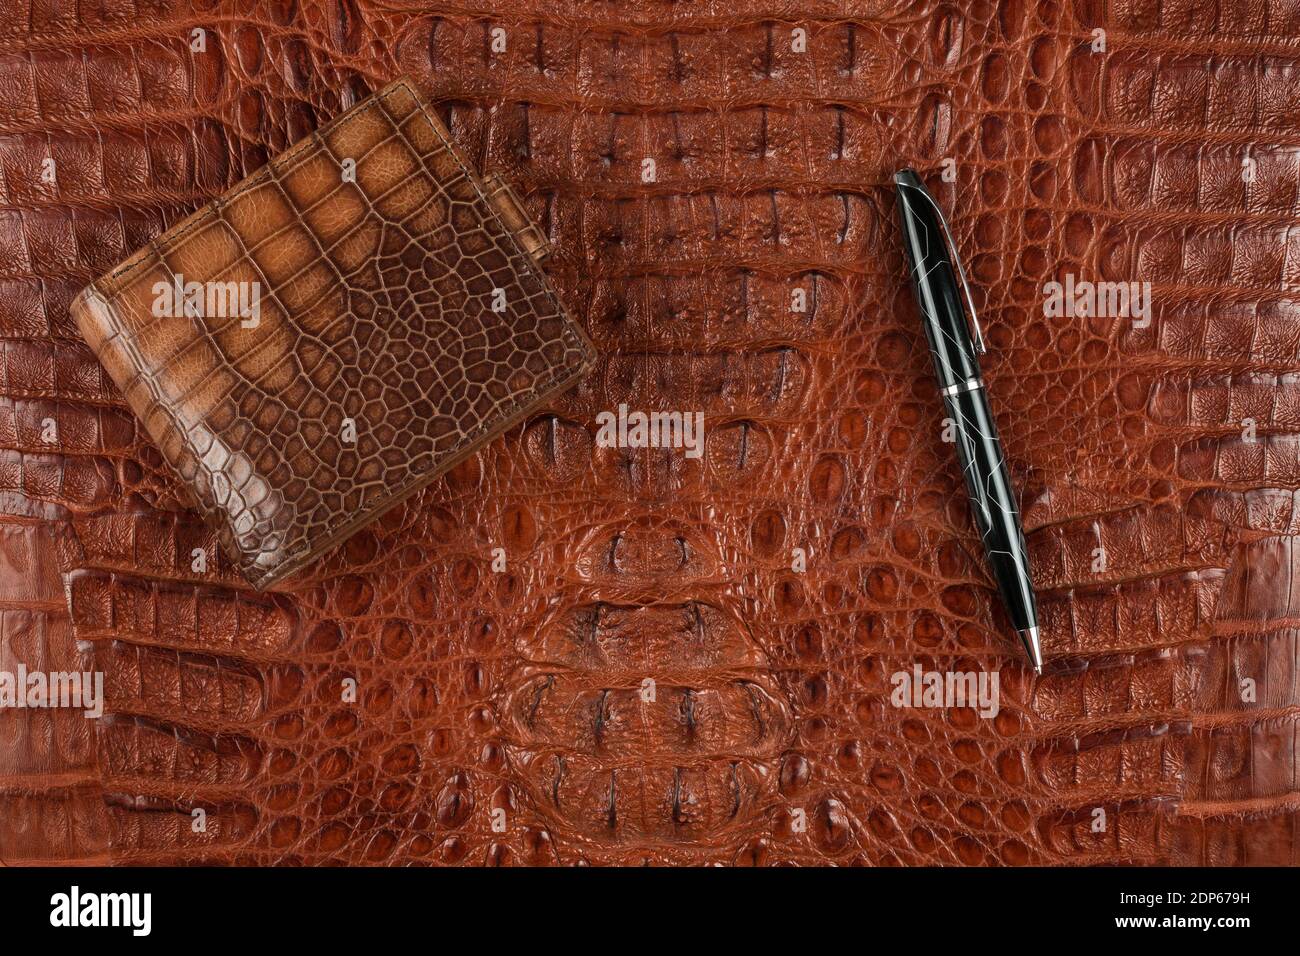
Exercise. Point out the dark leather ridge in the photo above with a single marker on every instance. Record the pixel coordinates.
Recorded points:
(498, 719)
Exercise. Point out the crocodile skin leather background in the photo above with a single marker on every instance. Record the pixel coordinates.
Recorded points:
(1158, 462)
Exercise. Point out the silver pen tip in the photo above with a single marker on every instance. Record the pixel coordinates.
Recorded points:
(1029, 638)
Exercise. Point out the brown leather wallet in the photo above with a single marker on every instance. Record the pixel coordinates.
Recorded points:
(335, 332)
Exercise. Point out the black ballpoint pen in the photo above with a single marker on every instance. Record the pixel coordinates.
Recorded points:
(935, 270)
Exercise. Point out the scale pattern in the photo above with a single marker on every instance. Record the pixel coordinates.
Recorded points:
(772, 173)
(253, 336)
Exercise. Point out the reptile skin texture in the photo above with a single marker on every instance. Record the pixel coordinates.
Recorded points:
(354, 351)
(500, 624)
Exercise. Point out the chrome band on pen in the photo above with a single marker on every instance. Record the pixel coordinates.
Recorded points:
(967, 386)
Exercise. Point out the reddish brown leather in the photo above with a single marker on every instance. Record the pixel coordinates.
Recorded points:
(369, 331)
(773, 171)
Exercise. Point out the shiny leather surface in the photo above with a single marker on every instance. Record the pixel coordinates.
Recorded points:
(772, 172)
(371, 326)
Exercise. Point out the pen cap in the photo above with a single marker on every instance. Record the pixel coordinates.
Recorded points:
(935, 282)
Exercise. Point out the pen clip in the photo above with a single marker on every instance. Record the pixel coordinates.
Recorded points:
(956, 260)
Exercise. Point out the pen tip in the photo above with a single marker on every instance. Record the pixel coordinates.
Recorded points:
(1029, 638)
(906, 177)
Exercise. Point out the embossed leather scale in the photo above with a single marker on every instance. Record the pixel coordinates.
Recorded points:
(342, 327)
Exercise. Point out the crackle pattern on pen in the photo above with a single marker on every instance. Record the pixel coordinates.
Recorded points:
(935, 270)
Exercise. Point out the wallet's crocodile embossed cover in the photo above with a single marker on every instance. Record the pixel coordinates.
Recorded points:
(342, 327)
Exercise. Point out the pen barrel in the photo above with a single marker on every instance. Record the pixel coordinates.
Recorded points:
(934, 281)
(993, 502)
